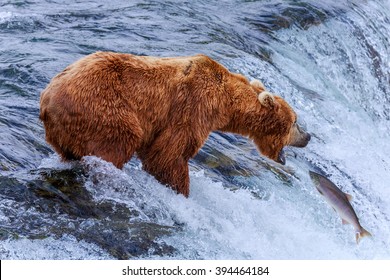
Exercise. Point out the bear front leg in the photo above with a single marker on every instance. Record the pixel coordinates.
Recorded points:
(174, 174)
(166, 158)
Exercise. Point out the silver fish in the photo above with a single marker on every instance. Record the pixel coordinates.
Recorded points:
(340, 202)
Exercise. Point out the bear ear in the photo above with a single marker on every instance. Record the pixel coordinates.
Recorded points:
(258, 85)
(267, 99)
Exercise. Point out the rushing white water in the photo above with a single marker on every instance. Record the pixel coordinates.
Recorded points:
(333, 71)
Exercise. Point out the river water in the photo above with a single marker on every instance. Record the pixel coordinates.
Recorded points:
(329, 60)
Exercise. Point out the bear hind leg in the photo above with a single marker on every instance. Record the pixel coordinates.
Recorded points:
(116, 149)
(119, 144)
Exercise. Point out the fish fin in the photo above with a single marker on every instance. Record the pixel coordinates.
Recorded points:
(344, 222)
(363, 233)
(320, 191)
(349, 197)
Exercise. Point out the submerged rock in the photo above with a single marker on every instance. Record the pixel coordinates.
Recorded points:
(55, 203)
(281, 16)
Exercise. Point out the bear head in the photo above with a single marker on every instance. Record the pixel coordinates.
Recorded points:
(277, 127)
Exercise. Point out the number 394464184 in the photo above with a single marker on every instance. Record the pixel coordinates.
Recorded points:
(220, 270)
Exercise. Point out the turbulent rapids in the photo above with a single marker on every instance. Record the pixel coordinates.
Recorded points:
(329, 61)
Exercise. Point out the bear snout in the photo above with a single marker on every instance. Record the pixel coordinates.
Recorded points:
(306, 140)
(300, 138)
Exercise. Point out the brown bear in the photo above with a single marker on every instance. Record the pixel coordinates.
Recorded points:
(112, 105)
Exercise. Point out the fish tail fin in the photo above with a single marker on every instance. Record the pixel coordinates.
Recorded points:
(363, 233)
(349, 197)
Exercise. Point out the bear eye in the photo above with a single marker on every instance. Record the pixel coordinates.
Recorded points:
(295, 119)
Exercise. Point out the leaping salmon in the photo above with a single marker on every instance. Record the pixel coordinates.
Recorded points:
(340, 202)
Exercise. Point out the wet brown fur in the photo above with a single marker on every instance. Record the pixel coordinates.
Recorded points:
(112, 105)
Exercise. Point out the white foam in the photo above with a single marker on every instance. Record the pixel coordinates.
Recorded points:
(221, 224)
(54, 161)
(218, 223)
(66, 247)
(4, 16)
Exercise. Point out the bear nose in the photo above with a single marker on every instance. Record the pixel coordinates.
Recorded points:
(308, 137)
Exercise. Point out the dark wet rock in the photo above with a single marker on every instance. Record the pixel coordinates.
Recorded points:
(212, 159)
(304, 15)
(122, 239)
(237, 171)
(284, 16)
(7, 234)
(57, 203)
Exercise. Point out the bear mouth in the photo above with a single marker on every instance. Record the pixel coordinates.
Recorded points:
(282, 157)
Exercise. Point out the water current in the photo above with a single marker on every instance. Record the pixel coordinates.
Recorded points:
(329, 60)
